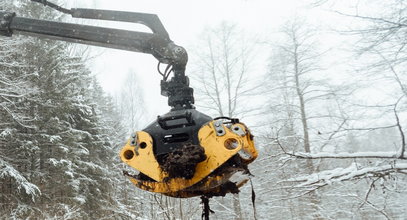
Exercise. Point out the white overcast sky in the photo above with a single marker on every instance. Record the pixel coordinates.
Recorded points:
(184, 21)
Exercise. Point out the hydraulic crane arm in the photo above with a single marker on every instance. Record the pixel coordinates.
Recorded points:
(157, 43)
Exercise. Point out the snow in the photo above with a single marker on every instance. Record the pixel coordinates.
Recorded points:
(365, 154)
(342, 174)
(6, 132)
(6, 170)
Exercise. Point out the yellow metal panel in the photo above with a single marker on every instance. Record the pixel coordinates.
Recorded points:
(216, 154)
(215, 149)
(248, 145)
(143, 160)
(218, 149)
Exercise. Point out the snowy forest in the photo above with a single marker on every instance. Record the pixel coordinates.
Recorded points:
(328, 111)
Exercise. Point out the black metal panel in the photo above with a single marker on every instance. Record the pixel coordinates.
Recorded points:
(158, 43)
(85, 34)
(175, 129)
(150, 20)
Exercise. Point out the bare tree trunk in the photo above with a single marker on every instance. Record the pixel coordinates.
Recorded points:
(313, 197)
(214, 78)
(236, 207)
(300, 95)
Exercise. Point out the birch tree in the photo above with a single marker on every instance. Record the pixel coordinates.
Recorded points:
(222, 71)
(295, 78)
(131, 103)
(382, 153)
(221, 76)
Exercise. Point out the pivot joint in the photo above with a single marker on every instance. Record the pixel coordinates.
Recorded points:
(5, 22)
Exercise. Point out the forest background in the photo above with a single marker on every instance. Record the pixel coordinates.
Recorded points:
(325, 100)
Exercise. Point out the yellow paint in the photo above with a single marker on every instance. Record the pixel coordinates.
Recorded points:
(216, 154)
(145, 161)
(248, 145)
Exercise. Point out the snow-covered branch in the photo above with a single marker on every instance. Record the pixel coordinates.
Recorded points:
(345, 155)
(8, 171)
(317, 180)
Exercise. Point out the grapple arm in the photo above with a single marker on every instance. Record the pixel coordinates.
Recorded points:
(156, 43)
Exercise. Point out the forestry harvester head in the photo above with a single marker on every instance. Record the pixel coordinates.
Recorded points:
(185, 153)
